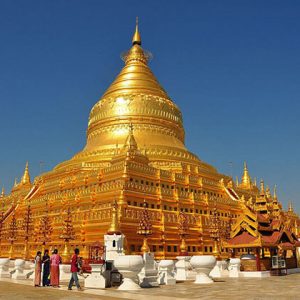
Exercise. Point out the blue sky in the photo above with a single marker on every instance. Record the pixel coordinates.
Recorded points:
(233, 67)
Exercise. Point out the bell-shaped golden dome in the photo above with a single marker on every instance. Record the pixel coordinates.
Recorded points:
(136, 97)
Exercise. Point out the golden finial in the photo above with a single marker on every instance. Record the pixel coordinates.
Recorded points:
(262, 187)
(275, 194)
(16, 182)
(255, 184)
(136, 39)
(2, 193)
(26, 177)
(291, 209)
(114, 226)
(237, 181)
(268, 192)
(131, 142)
(145, 227)
(246, 178)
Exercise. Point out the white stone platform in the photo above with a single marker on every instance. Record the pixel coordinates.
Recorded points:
(255, 274)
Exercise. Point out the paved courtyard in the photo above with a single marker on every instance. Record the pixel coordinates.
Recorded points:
(285, 287)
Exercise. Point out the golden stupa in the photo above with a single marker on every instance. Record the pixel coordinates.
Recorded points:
(135, 152)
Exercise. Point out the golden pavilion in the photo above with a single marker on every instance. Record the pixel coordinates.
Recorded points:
(135, 157)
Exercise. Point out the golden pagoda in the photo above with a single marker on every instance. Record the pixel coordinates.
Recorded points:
(135, 151)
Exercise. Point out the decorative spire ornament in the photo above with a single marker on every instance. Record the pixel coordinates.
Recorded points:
(291, 209)
(274, 193)
(262, 188)
(12, 234)
(215, 231)
(26, 176)
(268, 192)
(67, 235)
(114, 225)
(131, 143)
(136, 39)
(246, 180)
(255, 184)
(145, 227)
(44, 228)
(27, 229)
(183, 227)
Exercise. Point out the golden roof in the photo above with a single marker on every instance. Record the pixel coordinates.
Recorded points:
(136, 97)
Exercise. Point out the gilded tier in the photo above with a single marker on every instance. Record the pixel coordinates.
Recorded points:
(136, 97)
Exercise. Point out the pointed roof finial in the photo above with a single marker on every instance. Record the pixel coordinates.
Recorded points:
(237, 180)
(246, 180)
(268, 192)
(2, 193)
(291, 209)
(131, 142)
(114, 225)
(16, 182)
(262, 187)
(26, 177)
(136, 39)
(275, 194)
(255, 184)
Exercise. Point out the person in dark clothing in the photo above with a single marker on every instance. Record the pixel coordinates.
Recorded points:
(46, 269)
(74, 270)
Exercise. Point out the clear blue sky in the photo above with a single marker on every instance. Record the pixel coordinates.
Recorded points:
(233, 67)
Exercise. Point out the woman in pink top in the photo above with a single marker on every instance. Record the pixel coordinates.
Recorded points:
(55, 260)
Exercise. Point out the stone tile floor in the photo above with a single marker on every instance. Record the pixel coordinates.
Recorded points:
(285, 287)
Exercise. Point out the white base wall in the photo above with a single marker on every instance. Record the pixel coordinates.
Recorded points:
(255, 274)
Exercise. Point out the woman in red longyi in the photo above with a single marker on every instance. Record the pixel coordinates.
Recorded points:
(55, 261)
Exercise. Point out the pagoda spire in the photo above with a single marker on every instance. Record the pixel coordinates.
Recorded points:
(136, 39)
(26, 176)
(268, 192)
(131, 143)
(114, 225)
(16, 182)
(274, 193)
(255, 184)
(237, 181)
(262, 188)
(2, 193)
(291, 209)
(246, 180)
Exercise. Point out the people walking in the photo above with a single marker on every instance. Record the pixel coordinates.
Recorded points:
(74, 270)
(37, 269)
(55, 261)
(46, 268)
